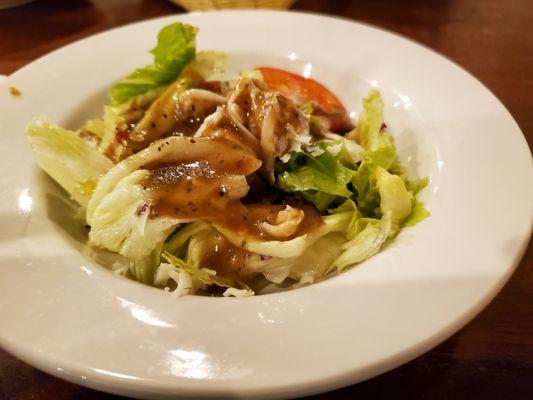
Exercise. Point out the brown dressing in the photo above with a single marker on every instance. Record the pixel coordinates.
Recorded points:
(227, 259)
(250, 99)
(224, 127)
(191, 192)
(175, 113)
(209, 184)
(200, 190)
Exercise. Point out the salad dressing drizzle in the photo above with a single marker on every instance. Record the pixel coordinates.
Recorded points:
(209, 190)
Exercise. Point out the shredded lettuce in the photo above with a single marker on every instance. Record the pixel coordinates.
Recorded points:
(176, 47)
(205, 276)
(200, 277)
(184, 251)
(74, 163)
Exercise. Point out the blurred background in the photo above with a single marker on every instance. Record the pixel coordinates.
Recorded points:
(492, 358)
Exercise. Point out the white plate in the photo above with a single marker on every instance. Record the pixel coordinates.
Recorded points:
(70, 317)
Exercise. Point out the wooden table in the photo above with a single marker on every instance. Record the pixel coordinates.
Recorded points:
(491, 358)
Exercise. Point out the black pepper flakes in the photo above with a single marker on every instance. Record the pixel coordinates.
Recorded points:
(142, 209)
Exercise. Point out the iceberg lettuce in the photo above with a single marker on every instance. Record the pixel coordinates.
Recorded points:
(76, 164)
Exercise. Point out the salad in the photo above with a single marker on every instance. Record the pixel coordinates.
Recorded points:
(230, 186)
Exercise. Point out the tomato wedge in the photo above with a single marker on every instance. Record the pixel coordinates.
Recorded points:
(303, 90)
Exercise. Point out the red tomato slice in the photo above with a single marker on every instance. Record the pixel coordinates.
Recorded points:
(308, 90)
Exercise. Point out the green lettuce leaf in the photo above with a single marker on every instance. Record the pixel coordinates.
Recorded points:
(373, 233)
(176, 47)
(74, 163)
(367, 193)
(318, 174)
(416, 186)
(372, 135)
(350, 211)
(418, 213)
(394, 197)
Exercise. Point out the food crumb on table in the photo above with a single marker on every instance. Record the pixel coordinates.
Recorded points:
(15, 91)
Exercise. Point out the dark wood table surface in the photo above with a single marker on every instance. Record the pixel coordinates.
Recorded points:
(492, 357)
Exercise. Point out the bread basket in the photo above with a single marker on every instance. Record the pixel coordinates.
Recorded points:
(200, 5)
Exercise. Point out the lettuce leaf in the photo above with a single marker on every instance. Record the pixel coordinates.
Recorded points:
(176, 47)
(190, 278)
(177, 242)
(418, 213)
(351, 213)
(394, 197)
(74, 163)
(318, 174)
(184, 251)
(416, 186)
(309, 265)
(367, 193)
(207, 65)
(373, 233)
(371, 133)
(120, 222)
(202, 274)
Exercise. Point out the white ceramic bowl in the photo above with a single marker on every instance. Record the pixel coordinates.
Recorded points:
(66, 315)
